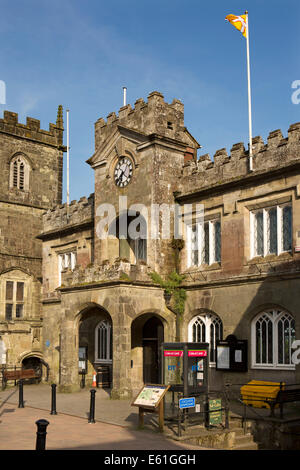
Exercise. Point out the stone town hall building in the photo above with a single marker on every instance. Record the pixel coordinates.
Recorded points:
(63, 288)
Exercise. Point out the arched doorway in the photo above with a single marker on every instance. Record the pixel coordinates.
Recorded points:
(95, 346)
(152, 338)
(147, 335)
(35, 363)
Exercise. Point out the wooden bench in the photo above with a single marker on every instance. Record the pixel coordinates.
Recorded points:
(17, 375)
(282, 397)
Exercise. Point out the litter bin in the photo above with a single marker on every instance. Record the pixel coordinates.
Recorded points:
(256, 392)
(103, 377)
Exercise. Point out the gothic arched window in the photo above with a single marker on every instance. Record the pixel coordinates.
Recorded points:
(19, 173)
(273, 332)
(103, 342)
(206, 328)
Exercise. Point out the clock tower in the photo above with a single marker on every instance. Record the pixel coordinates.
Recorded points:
(139, 155)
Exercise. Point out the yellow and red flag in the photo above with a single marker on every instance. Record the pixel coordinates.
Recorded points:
(239, 22)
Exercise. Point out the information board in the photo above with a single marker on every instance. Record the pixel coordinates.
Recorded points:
(232, 355)
(150, 396)
(215, 412)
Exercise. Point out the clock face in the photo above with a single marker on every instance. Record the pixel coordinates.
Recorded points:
(123, 172)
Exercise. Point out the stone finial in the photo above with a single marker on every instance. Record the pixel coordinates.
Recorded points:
(274, 138)
(59, 119)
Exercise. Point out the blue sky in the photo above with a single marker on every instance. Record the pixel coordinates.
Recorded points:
(81, 53)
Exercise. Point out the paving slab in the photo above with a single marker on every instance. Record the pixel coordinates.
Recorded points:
(115, 427)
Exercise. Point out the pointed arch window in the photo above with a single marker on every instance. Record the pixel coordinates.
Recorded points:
(206, 328)
(19, 173)
(103, 342)
(273, 333)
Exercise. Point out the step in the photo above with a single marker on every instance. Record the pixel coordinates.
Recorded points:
(249, 446)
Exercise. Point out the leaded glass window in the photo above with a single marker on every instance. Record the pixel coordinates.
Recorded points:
(204, 243)
(287, 228)
(273, 335)
(14, 296)
(103, 342)
(206, 328)
(271, 230)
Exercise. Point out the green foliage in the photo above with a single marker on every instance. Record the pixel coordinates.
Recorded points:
(172, 287)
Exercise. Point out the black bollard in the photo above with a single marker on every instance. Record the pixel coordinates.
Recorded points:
(92, 407)
(41, 434)
(53, 399)
(21, 400)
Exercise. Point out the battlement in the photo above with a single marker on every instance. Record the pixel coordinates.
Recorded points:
(62, 216)
(9, 124)
(153, 116)
(276, 153)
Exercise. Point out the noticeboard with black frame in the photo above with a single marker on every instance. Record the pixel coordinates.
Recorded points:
(232, 355)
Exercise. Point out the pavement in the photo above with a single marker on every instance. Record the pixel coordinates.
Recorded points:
(115, 427)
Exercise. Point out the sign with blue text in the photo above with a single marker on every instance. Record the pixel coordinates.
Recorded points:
(187, 403)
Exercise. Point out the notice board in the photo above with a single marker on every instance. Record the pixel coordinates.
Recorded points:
(150, 396)
(232, 355)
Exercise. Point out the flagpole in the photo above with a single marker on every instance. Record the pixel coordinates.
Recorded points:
(68, 158)
(249, 95)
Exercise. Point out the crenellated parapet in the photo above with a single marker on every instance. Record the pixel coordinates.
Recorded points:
(119, 270)
(10, 125)
(279, 151)
(152, 117)
(78, 212)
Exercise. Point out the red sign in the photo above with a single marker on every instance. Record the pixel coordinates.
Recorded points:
(173, 353)
(197, 353)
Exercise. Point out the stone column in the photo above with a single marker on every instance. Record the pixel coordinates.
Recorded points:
(69, 378)
(121, 363)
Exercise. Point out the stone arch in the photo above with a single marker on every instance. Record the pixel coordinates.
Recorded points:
(93, 343)
(34, 360)
(147, 335)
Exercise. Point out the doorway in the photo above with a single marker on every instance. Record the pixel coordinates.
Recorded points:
(152, 339)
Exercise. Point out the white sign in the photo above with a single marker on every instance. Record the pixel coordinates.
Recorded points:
(238, 355)
(223, 357)
(2, 352)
